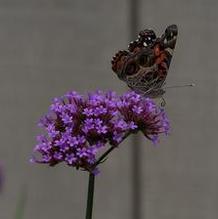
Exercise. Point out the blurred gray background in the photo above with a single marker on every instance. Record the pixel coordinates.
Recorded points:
(48, 47)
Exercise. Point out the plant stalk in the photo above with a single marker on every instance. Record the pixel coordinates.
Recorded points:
(90, 197)
(91, 185)
(109, 151)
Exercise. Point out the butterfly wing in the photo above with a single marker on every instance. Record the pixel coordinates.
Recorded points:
(145, 66)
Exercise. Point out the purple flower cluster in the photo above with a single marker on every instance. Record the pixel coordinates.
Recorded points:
(144, 114)
(77, 127)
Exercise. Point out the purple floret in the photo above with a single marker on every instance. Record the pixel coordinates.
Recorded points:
(78, 127)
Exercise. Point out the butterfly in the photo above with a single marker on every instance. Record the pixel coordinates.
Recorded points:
(145, 65)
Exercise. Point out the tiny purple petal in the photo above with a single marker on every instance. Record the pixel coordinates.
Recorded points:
(70, 159)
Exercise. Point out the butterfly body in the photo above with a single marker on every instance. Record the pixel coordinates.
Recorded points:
(145, 65)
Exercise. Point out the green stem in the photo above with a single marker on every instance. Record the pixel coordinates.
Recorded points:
(21, 204)
(104, 155)
(91, 186)
(109, 150)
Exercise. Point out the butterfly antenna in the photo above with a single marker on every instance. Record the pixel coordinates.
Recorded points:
(178, 86)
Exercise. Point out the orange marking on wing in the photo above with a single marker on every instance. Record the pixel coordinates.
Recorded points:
(157, 50)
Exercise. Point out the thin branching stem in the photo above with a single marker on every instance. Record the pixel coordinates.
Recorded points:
(90, 197)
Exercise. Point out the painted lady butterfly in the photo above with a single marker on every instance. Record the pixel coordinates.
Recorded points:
(145, 65)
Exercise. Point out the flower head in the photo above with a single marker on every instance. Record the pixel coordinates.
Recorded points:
(144, 115)
(77, 127)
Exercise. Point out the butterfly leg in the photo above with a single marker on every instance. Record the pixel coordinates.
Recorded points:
(163, 102)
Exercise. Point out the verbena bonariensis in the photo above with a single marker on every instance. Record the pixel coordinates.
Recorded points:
(77, 127)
